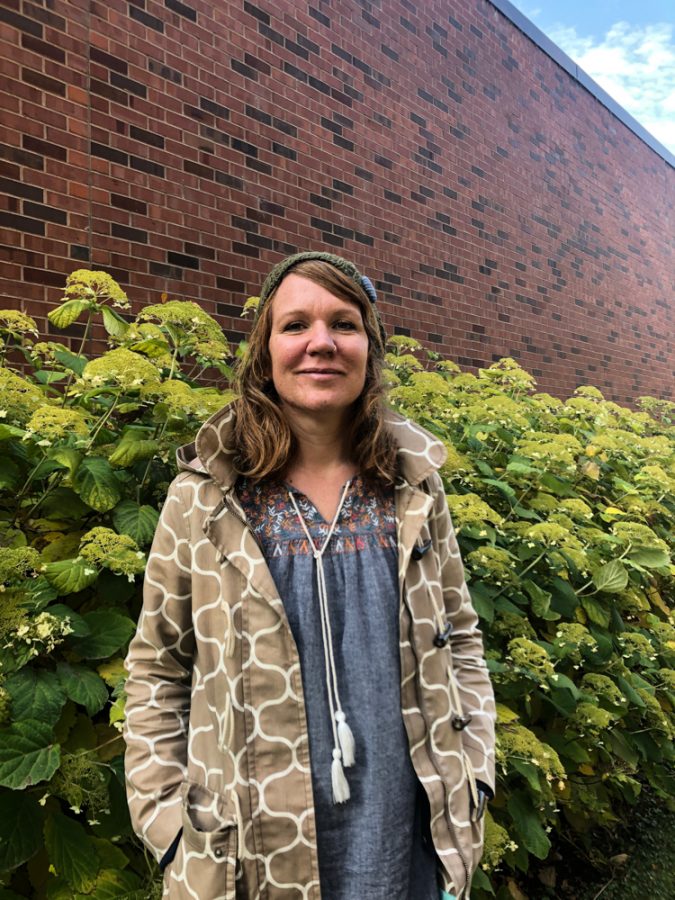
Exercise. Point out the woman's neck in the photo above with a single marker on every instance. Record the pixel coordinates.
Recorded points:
(321, 446)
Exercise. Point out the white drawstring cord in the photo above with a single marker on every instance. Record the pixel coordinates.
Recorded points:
(343, 739)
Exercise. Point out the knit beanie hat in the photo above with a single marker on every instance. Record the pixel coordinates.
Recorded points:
(347, 268)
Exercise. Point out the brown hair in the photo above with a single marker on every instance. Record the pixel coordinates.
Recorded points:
(264, 444)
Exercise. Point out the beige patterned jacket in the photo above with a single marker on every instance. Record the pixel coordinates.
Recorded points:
(216, 730)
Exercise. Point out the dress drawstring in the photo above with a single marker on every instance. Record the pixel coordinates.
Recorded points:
(343, 739)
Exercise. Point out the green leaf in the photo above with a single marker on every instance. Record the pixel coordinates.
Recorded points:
(71, 361)
(72, 853)
(97, 484)
(43, 376)
(79, 626)
(611, 578)
(524, 814)
(70, 459)
(115, 884)
(630, 693)
(130, 450)
(501, 486)
(649, 557)
(20, 829)
(567, 749)
(139, 522)
(113, 322)
(108, 631)
(10, 475)
(480, 881)
(10, 431)
(520, 465)
(36, 694)
(541, 601)
(564, 599)
(63, 503)
(563, 682)
(528, 771)
(481, 598)
(559, 486)
(69, 576)
(67, 313)
(27, 754)
(620, 746)
(83, 686)
(596, 611)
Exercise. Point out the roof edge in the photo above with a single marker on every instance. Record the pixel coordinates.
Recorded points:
(551, 49)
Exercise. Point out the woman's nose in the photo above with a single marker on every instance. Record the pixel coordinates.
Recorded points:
(320, 339)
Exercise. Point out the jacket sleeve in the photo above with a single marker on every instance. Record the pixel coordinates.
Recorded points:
(159, 664)
(470, 671)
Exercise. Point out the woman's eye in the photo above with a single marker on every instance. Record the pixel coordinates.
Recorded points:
(345, 325)
(292, 326)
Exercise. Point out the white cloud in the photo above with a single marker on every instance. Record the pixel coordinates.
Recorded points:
(635, 65)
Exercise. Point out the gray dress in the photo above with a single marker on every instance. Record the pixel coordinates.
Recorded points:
(376, 846)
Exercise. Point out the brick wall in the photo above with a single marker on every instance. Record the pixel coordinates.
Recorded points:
(186, 146)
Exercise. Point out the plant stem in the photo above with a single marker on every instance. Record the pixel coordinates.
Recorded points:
(100, 425)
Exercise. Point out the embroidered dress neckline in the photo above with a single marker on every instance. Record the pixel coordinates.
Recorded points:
(347, 486)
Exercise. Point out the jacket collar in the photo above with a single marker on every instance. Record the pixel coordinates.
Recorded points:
(419, 452)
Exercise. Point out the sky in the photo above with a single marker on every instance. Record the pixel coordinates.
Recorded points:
(626, 46)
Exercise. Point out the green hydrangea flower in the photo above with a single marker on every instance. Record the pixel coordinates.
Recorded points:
(13, 322)
(402, 343)
(181, 399)
(494, 564)
(496, 843)
(54, 422)
(577, 509)
(587, 390)
(82, 782)
(18, 398)
(96, 286)
(518, 741)
(469, 509)
(588, 719)
(668, 678)
(5, 706)
(507, 374)
(551, 534)
(404, 361)
(654, 714)
(531, 657)
(636, 647)
(456, 464)
(572, 639)
(447, 367)
(603, 688)
(511, 625)
(544, 502)
(120, 367)
(117, 552)
(188, 317)
(35, 636)
(638, 535)
(17, 563)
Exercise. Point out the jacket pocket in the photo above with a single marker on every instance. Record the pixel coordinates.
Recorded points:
(205, 865)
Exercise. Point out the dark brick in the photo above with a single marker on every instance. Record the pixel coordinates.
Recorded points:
(296, 48)
(259, 116)
(158, 68)
(383, 161)
(196, 169)
(128, 84)
(315, 14)
(276, 209)
(341, 142)
(229, 309)
(245, 250)
(256, 13)
(281, 150)
(230, 181)
(21, 223)
(216, 109)
(21, 22)
(186, 11)
(145, 19)
(258, 166)
(392, 197)
(392, 54)
(230, 284)
(29, 42)
(244, 147)
(271, 34)
(199, 250)
(44, 276)
(103, 89)
(19, 189)
(147, 137)
(257, 240)
(183, 260)
(323, 202)
(342, 186)
(109, 153)
(146, 165)
(363, 173)
(331, 126)
(318, 85)
(107, 60)
(285, 127)
(136, 235)
(79, 252)
(46, 213)
(38, 80)
(244, 70)
(128, 203)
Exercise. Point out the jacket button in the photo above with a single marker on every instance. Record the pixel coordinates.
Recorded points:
(442, 638)
(420, 549)
(218, 852)
(459, 723)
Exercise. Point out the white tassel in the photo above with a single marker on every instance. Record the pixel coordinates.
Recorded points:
(340, 785)
(346, 739)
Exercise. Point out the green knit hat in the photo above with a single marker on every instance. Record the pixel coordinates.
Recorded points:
(347, 268)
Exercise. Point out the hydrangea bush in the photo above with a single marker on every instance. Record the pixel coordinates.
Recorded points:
(564, 512)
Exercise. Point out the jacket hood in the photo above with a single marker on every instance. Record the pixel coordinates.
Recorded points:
(419, 452)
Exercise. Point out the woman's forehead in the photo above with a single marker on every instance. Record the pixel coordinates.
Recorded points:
(298, 293)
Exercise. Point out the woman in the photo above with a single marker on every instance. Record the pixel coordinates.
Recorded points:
(309, 713)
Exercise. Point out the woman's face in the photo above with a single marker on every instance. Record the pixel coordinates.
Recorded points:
(318, 348)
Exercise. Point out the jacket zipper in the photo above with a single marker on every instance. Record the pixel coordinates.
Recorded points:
(447, 817)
